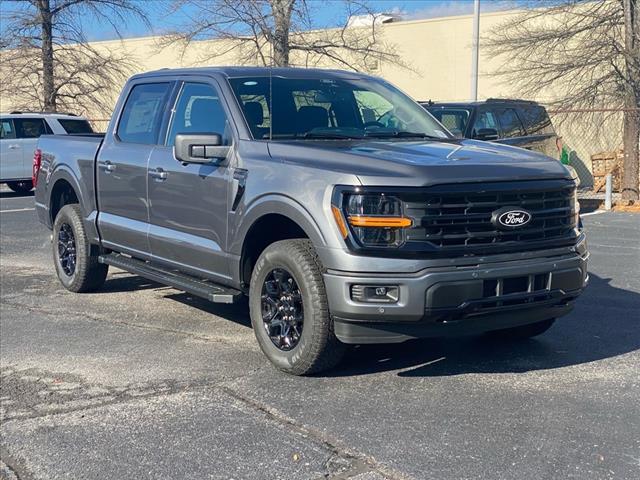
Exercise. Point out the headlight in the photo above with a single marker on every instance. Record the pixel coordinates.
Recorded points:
(376, 220)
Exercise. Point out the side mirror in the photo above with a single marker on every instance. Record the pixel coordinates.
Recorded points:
(200, 147)
(486, 134)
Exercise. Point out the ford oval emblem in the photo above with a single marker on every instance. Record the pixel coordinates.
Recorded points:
(510, 217)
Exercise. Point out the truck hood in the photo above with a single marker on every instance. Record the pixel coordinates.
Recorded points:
(420, 163)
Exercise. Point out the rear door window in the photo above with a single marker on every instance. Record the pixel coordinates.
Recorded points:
(536, 120)
(6, 129)
(75, 126)
(30, 127)
(142, 113)
(510, 123)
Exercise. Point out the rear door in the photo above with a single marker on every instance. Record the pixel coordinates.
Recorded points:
(122, 167)
(10, 151)
(188, 203)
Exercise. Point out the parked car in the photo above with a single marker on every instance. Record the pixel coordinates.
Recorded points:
(519, 123)
(343, 210)
(19, 133)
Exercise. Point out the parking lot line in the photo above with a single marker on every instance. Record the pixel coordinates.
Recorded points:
(17, 210)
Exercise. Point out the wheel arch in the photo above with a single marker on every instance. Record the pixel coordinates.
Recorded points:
(271, 220)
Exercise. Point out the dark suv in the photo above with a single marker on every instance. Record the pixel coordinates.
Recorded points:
(520, 123)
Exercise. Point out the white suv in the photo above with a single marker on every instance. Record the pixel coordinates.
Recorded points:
(19, 134)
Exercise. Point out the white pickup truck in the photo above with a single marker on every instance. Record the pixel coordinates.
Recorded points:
(19, 134)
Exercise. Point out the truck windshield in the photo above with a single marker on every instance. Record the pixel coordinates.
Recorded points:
(311, 108)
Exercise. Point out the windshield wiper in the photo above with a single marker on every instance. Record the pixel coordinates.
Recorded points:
(403, 134)
(331, 136)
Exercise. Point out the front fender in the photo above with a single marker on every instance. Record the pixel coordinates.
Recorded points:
(281, 205)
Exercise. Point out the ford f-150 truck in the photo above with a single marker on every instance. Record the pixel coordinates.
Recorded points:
(339, 205)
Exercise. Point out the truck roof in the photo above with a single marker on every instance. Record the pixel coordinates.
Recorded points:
(235, 71)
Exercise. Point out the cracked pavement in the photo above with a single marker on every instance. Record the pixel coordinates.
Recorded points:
(143, 381)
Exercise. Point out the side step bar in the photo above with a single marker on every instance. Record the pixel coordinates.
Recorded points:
(201, 288)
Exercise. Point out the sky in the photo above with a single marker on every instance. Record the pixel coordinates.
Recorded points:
(325, 17)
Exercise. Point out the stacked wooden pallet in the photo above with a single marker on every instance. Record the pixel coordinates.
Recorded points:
(606, 163)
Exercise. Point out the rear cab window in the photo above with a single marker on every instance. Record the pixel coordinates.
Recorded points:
(72, 126)
(142, 114)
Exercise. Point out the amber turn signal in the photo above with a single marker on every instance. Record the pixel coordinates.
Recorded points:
(337, 214)
(380, 222)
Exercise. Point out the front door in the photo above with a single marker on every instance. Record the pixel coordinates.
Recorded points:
(122, 169)
(188, 202)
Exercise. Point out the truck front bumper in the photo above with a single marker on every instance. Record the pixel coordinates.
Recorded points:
(448, 301)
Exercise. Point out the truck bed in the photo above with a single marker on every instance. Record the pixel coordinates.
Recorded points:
(67, 156)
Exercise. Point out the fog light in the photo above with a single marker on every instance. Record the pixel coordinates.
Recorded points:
(375, 293)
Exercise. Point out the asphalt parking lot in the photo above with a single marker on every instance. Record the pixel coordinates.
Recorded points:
(142, 381)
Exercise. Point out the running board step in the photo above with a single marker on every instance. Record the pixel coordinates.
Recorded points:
(201, 288)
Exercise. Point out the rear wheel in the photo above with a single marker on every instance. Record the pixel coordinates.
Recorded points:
(75, 259)
(523, 331)
(289, 309)
(24, 186)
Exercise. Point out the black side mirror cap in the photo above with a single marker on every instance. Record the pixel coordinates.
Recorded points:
(200, 148)
(486, 134)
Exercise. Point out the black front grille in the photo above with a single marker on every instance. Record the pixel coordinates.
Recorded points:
(457, 218)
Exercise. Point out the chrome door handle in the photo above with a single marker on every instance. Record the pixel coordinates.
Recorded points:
(14, 147)
(158, 174)
(107, 166)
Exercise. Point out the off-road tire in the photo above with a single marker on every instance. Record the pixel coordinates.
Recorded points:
(88, 275)
(318, 349)
(523, 331)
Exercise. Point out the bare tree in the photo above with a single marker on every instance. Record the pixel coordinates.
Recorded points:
(47, 63)
(584, 53)
(283, 33)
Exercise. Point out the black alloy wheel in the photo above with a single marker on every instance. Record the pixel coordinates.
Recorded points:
(67, 249)
(282, 310)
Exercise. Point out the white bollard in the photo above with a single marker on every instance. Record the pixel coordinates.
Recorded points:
(608, 193)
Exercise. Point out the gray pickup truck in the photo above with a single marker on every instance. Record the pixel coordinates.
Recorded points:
(342, 208)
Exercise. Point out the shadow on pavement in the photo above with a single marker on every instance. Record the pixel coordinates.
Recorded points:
(11, 194)
(126, 282)
(604, 324)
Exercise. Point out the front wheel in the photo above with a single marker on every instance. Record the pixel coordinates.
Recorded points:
(21, 187)
(75, 259)
(289, 309)
(523, 331)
